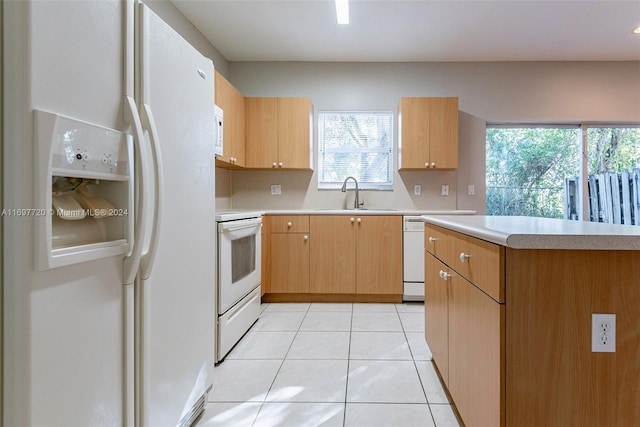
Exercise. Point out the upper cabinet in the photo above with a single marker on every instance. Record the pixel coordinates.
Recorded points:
(232, 103)
(428, 133)
(278, 133)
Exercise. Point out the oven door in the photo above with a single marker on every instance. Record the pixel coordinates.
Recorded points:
(239, 260)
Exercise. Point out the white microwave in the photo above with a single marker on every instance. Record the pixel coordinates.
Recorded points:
(218, 114)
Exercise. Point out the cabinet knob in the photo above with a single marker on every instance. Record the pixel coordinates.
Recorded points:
(280, 165)
(353, 219)
(433, 164)
(359, 219)
(306, 237)
(289, 224)
(432, 239)
(444, 275)
(463, 257)
(273, 165)
(426, 165)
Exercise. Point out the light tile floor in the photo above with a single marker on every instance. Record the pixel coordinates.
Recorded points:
(344, 365)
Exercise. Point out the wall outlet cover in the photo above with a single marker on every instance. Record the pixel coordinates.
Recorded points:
(445, 189)
(417, 190)
(603, 333)
(276, 189)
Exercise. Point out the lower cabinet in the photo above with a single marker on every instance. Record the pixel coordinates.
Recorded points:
(475, 358)
(333, 255)
(464, 328)
(436, 313)
(336, 258)
(356, 254)
(289, 254)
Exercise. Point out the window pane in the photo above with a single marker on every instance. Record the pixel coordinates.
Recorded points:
(527, 167)
(357, 144)
(613, 168)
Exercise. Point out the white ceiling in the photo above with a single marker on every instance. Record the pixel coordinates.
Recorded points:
(419, 30)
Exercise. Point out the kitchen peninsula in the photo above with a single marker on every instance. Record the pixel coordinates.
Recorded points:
(508, 317)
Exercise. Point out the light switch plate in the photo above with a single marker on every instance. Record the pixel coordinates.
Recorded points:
(471, 190)
(445, 189)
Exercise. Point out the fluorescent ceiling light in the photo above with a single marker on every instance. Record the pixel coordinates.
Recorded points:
(636, 30)
(342, 11)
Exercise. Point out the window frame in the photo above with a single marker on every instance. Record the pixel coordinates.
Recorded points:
(582, 207)
(362, 185)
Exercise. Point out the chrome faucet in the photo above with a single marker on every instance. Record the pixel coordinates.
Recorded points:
(356, 201)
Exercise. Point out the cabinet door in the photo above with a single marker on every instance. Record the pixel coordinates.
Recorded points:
(379, 255)
(443, 132)
(226, 99)
(261, 132)
(476, 354)
(436, 313)
(414, 133)
(234, 126)
(294, 133)
(289, 263)
(333, 255)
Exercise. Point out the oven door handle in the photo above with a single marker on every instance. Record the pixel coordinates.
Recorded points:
(228, 227)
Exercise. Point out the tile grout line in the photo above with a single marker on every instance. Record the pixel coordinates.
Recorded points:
(280, 368)
(346, 385)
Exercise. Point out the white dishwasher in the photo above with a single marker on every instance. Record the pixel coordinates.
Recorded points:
(413, 258)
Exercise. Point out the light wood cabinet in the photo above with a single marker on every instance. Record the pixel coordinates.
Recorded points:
(511, 335)
(428, 133)
(476, 356)
(232, 103)
(436, 313)
(278, 133)
(379, 255)
(356, 254)
(333, 255)
(464, 326)
(289, 254)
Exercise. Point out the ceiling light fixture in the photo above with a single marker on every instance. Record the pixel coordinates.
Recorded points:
(342, 11)
(636, 30)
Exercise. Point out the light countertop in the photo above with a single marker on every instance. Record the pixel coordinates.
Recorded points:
(542, 233)
(371, 211)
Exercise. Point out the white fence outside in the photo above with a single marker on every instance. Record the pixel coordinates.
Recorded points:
(614, 198)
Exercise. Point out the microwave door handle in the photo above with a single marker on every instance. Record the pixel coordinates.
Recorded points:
(146, 263)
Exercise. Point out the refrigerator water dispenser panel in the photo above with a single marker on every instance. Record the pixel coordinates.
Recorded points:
(84, 184)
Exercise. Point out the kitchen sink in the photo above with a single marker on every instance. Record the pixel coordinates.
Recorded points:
(356, 210)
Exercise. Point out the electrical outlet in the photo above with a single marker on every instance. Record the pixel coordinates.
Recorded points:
(603, 333)
(417, 190)
(471, 190)
(445, 189)
(276, 189)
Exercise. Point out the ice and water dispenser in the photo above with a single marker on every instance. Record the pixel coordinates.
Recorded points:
(84, 191)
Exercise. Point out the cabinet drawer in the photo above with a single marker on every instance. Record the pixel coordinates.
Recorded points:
(289, 223)
(439, 242)
(481, 263)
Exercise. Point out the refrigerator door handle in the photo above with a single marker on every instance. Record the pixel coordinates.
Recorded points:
(146, 263)
(132, 261)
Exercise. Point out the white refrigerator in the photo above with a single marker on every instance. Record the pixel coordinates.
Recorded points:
(108, 320)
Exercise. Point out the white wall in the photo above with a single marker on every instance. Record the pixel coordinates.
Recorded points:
(172, 16)
(495, 92)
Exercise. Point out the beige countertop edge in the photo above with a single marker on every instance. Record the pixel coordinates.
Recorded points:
(366, 212)
(542, 233)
